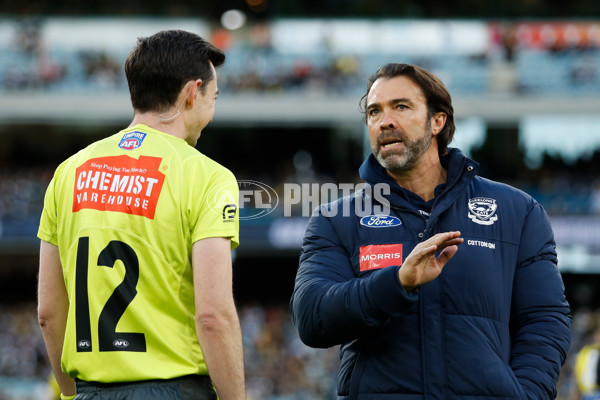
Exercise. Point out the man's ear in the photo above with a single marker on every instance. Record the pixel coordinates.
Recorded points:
(438, 121)
(191, 90)
(198, 84)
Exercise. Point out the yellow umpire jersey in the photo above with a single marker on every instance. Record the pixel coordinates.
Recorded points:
(587, 371)
(124, 213)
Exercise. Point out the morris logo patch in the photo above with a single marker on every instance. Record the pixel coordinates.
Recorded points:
(132, 140)
(377, 256)
(482, 210)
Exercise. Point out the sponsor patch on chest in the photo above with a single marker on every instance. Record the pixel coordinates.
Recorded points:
(377, 256)
(380, 221)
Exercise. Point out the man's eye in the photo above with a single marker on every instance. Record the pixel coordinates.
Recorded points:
(373, 112)
(401, 107)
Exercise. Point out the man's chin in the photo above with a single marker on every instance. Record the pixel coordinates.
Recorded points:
(391, 162)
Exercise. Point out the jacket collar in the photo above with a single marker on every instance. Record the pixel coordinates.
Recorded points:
(460, 169)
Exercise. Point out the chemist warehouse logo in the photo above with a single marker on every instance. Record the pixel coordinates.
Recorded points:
(119, 183)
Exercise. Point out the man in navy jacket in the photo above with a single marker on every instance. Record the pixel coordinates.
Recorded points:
(453, 292)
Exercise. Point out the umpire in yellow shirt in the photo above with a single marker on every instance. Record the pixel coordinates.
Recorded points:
(135, 279)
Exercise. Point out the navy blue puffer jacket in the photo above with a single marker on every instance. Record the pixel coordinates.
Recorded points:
(494, 325)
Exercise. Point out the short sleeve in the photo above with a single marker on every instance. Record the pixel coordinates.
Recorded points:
(47, 230)
(214, 213)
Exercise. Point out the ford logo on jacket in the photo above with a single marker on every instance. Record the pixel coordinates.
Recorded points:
(379, 221)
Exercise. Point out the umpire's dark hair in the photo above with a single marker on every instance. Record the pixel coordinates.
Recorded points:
(437, 96)
(161, 64)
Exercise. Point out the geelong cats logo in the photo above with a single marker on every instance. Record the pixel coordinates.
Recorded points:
(482, 210)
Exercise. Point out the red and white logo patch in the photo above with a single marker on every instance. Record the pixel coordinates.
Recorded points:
(119, 183)
(377, 256)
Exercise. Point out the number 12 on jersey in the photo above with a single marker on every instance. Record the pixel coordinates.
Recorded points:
(114, 308)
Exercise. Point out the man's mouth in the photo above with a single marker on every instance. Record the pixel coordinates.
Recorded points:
(388, 144)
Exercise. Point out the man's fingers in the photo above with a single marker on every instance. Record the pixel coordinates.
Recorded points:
(440, 238)
(451, 242)
(447, 243)
(447, 254)
(428, 251)
(448, 249)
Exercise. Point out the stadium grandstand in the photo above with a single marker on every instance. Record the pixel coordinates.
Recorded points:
(525, 80)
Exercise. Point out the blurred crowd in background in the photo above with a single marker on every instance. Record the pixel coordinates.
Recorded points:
(278, 365)
(521, 57)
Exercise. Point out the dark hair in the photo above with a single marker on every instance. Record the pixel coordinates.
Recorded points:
(161, 64)
(437, 96)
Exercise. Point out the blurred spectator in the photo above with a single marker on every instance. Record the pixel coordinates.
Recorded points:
(596, 198)
(101, 68)
(28, 38)
(587, 369)
(30, 66)
(583, 69)
(50, 72)
(21, 200)
(278, 365)
(22, 352)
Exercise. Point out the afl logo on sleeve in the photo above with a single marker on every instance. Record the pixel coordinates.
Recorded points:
(377, 256)
(132, 140)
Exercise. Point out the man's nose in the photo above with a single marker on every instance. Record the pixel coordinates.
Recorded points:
(388, 121)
